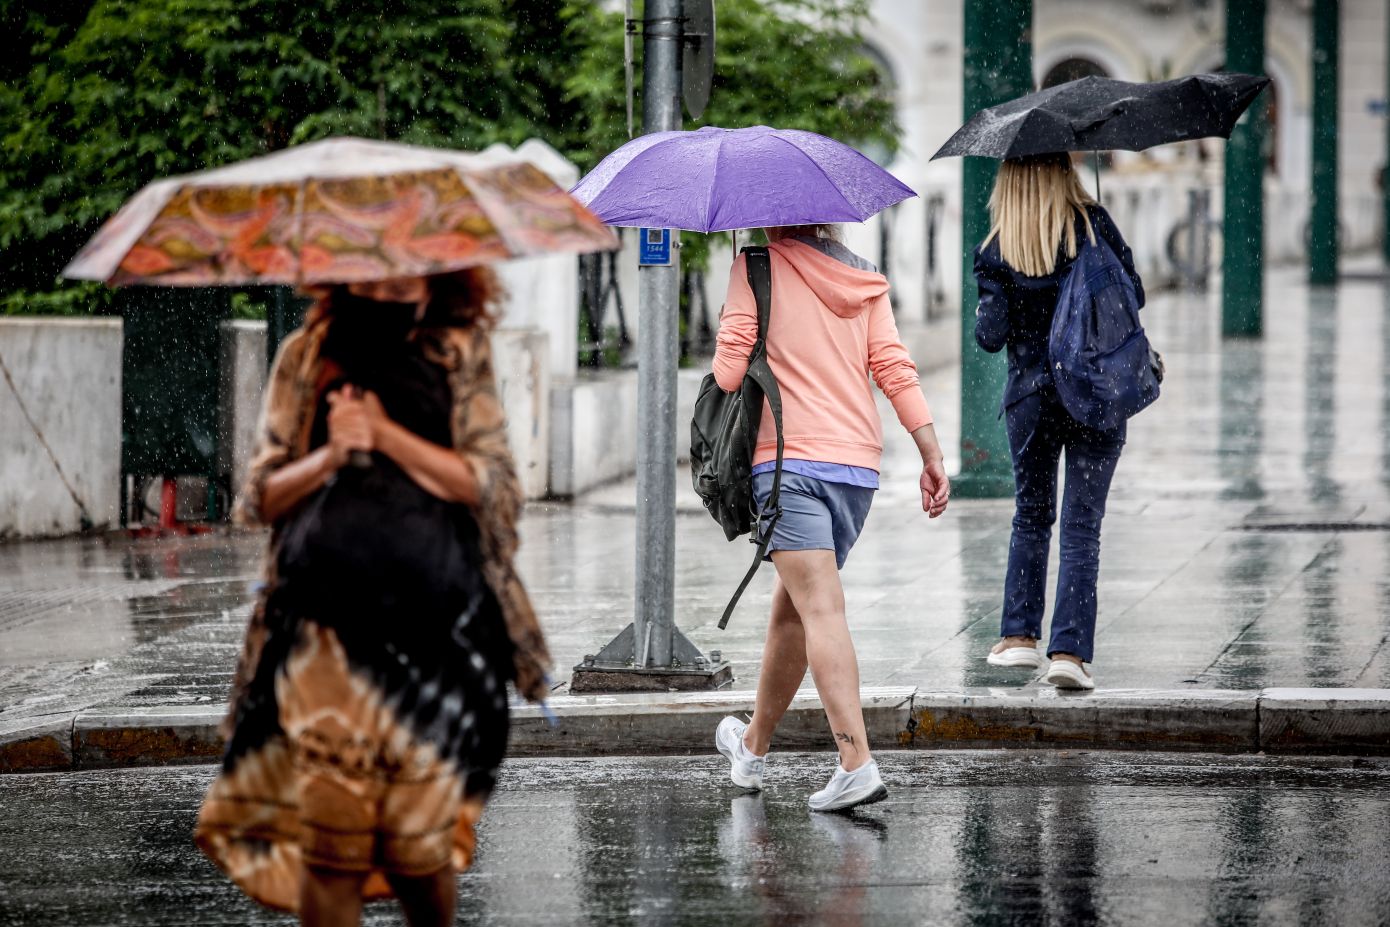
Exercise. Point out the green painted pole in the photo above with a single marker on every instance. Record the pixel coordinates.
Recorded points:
(1242, 259)
(1322, 225)
(998, 66)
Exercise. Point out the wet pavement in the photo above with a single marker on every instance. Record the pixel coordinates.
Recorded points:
(1247, 545)
(973, 838)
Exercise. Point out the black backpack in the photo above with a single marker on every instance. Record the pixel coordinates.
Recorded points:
(724, 433)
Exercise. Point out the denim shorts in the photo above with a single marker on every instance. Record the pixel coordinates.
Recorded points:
(816, 515)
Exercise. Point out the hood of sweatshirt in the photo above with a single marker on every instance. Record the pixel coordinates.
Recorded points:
(847, 291)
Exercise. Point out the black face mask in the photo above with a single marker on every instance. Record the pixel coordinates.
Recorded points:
(362, 330)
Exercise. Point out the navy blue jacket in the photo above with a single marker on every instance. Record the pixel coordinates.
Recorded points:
(1016, 310)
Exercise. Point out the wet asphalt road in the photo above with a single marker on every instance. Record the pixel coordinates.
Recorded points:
(966, 838)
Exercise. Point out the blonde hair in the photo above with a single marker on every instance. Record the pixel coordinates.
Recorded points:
(1033, 211)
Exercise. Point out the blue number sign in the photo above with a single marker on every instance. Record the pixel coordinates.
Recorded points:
(655, 248)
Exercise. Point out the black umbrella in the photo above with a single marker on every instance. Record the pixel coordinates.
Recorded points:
(1099, 114)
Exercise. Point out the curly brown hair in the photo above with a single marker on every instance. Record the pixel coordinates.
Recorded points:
(470, 298)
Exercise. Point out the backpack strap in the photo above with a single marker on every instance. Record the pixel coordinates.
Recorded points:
(760, 280)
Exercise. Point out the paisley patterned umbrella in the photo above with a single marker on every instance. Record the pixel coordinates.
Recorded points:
(343, 210)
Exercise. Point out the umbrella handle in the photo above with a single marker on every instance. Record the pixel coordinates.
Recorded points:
(1097, 166)
(358, 460)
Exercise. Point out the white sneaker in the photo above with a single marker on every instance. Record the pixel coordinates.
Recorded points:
(746, 769)
(1065, 674)
(847, 790)
(1016, 656)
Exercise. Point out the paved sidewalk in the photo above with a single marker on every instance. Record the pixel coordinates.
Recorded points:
(1246, 548)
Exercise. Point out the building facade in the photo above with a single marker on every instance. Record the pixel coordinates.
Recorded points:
(918, 43)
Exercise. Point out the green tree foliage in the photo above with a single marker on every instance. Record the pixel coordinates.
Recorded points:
(794, 64)
(101, 97)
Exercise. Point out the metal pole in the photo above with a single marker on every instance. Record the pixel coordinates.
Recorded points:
(998, 66)
(656, 366)
(1322, 213)
(1385, 173)
(651, 653)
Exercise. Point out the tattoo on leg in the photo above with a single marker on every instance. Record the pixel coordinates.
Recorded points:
(848, 739)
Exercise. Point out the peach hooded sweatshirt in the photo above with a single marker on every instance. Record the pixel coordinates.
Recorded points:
(831, 329)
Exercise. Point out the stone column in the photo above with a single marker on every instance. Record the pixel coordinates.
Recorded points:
(1242, 260)
(1322, 213)
(998, 66)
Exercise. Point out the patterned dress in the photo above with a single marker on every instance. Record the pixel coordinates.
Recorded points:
(368, 718)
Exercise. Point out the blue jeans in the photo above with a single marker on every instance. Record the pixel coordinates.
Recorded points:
(1039, 430)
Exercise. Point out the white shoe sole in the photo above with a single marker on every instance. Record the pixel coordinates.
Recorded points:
(850, 800)
(1067, 675)
(1015, 656)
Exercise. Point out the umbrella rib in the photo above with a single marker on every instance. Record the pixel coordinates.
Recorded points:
(816, 164)
(713, 186)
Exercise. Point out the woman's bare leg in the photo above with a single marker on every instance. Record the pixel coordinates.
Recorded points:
(813, 583)
(331, 898)
(428, 901)
(783, 669)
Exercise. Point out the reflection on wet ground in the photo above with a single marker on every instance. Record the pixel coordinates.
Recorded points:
(976, 838)
(1247, 544)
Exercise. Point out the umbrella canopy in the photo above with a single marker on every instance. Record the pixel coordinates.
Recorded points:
(715, 180)
(344, 210)
(1099, 114)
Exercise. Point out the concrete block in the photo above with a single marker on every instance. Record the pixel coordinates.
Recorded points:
(159, 736)
(521, 363)
(1211, 719)
(36, 744)
(1325, 721)
(627, 724)
(543, 292)
(594, 427)
(67, 375)
(244, 371)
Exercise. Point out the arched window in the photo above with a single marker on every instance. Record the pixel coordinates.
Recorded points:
(1070, 69)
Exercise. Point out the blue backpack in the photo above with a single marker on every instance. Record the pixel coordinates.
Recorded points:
(1100, 357)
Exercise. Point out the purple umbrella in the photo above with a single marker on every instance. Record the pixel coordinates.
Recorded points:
(715, 180)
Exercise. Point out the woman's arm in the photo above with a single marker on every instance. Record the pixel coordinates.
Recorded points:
(441, 471)
(893, 370)
(738, 329)
(992, 313)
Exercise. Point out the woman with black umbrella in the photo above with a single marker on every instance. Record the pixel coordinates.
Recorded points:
(1040, 213)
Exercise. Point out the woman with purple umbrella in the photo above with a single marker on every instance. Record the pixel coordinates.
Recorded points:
(830, 322)
(830, 327)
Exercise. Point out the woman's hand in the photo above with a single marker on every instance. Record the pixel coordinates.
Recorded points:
(352, 424)
(935, 486)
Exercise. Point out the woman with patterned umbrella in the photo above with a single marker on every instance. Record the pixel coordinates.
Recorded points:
(369, 710)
